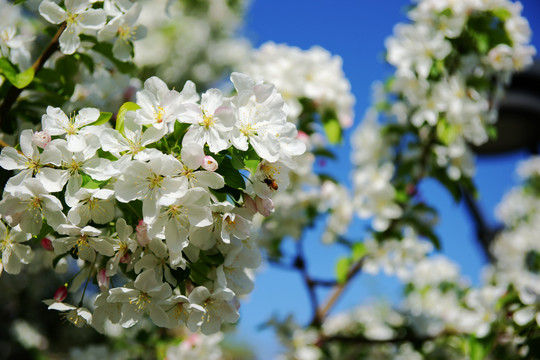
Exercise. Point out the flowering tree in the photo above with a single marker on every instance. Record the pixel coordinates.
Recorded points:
(149, 208)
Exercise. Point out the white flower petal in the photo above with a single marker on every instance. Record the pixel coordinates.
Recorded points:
(52, 12)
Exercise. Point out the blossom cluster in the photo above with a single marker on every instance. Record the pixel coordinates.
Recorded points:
(15, 36)
(439, 302)
(115, 20)
(312, 74)
(516, 249)
(452, 63)
(316, 91)
(201, 40)
(160, 203)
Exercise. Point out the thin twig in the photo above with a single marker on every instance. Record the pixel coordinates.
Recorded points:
(300, 264)
(4, 144)
(287, 266)
(338, 290)
(360, 339)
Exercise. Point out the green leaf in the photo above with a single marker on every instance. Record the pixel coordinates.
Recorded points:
(57, 259)
(236, 160)
(502, 13)
(492, 131)
(251, 160)
(105, 49)
(324, 153)
(507, 300)
(86, 60)
(333, 131)
(446, 132)
(198, 272)
(214, 259)
(401, 196)
(358, 251)
(477, 348)
(103, 118)
(482, 42)
(67, 67)
(178, 133)
(232, 176)
(90, 183)
(129, 106)
(427, 231)
(19, 80)
(342, 269)
(251, 165)
(327, 177)
(45, 230)
(450, 185)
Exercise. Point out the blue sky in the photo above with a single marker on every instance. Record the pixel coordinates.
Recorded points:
(356, 31)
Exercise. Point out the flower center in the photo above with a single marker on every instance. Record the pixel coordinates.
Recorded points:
(126, 33)
(208, 120)
(155, 181)
(248, 130)
(140, 301)
(159, 112)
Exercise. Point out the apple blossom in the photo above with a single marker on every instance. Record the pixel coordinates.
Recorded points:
(78, 15)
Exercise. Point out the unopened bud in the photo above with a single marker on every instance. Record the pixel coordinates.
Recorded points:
(249, 204)
(411, 189)
(264, 206)
(209, 163)
(193, 339)
(41, 138)
(142, 233)
(47, 244)
(60, 294)
(103, 280)
(303, 137)
(125, 259)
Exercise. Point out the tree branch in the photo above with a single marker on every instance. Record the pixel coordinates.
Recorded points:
(300, 264)
(338, 290)
(360, 339)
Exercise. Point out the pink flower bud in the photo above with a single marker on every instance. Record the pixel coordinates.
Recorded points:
(126, 258)
(47, 244)
(142, 233)
(264, 206)
(411, 189)
(103, 280)
(303, 137)
(192, 340)
(249, 204)
(209, 163)
(41, 138)
(60, 294)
